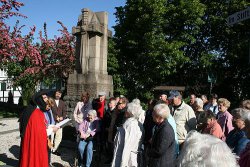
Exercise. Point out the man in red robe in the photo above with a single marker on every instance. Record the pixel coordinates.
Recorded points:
(34, 151)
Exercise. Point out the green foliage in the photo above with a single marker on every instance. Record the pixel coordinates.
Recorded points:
(151, 39)
(180, 42)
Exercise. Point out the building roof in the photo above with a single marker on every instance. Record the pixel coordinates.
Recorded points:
(168, 88)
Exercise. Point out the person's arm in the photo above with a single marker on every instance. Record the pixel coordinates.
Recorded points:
(229, 124)
(96, 124)
(81, 128)
(76, 112)
(52, 117)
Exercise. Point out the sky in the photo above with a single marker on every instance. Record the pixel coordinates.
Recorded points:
(66, 11)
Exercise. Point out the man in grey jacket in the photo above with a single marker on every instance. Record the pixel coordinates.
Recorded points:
(184, 116)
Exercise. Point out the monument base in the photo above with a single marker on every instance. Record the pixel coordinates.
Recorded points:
(91, 82)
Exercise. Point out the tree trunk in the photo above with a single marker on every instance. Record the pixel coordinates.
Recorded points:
(26, 95)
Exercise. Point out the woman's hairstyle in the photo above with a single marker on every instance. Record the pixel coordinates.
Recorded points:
(92, 112)
(162, 110)
(51, 102)
(135, 109)
(204, 150)
(199, 102)
(224, 102)
(84, 94)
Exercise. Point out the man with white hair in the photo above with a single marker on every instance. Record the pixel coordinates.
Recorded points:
(184, 116)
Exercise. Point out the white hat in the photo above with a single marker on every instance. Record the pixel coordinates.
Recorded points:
(101, 94)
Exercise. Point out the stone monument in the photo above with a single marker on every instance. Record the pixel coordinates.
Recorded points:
(91, 55)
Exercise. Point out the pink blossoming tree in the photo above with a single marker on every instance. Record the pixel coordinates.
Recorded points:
(28, 63)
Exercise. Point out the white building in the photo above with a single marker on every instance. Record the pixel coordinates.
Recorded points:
(6, 87)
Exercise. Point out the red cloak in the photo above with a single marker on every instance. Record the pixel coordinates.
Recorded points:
(34, 151)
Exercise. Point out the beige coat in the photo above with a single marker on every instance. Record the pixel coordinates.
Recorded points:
(185, 121)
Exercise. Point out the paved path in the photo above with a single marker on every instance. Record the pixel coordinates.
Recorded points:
(10, 145)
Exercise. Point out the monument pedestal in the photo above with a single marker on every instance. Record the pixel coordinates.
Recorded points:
(93, 83)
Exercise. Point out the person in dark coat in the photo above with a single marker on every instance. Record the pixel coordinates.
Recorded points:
(162, 150)
(237, 138)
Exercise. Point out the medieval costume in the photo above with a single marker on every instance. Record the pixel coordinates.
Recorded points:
(33, 134)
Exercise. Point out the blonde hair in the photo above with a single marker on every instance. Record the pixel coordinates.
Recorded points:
(224, 102)
(50, 102)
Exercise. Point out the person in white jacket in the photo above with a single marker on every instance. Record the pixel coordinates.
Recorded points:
(128, 140)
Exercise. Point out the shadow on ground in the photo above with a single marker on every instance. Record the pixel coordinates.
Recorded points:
(15, 150)
(8, 161)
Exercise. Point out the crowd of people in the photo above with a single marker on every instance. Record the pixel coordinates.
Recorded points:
(169, 133)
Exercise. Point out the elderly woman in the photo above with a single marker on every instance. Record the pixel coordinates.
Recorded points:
(224, 118)
(200, 114)
(205, 150)
(128, 140)
(88, 129)
(163, 145)
(237, 139)
(245, 155)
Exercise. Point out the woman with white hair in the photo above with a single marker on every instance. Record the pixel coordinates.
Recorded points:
(203, 150)
(88, 129)
(128, 139)
(245, 155)
(142, 113)
(200, 114)
(163, 145)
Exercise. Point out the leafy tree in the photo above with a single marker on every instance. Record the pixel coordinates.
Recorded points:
(219, 49)
(151, 39)
(113, 67)
(28, 63)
